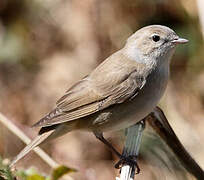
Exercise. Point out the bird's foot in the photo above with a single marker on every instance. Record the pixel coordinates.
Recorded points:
(129, 160)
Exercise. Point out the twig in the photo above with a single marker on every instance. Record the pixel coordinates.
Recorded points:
(200, 5)
(15, 130)
(132, 145)
(160, 124)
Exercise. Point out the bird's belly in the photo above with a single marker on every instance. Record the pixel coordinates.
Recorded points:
(123, 115)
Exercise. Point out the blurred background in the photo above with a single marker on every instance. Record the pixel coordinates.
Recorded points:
(46, 46)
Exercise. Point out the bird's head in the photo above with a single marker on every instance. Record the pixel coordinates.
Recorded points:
(152, 43)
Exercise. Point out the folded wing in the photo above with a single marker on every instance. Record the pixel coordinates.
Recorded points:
(95, 93)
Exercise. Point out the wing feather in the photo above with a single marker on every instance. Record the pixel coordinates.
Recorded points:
(95, 93)
(75, 114)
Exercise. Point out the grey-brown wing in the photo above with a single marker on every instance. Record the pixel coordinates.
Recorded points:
(79, 101)
(83, 99)
(114, 81)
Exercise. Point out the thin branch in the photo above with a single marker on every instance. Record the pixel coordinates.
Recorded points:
(21, 135)
(160, 124)
(200, 5)
(131, 148)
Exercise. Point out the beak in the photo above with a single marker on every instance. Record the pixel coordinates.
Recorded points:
(179, 41)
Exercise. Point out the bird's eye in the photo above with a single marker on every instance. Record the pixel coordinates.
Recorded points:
(155, 38)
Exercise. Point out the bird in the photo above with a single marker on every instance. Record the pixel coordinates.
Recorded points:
(118, 93)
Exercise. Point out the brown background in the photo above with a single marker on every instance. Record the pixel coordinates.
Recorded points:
(46, 46)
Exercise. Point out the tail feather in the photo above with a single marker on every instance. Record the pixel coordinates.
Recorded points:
(37, 141)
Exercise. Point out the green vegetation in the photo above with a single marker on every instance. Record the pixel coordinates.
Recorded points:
(31, 173)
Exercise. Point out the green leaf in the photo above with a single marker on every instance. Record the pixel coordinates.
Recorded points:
(60, 171)
(21, 174)
(35, 177)
(5, 172)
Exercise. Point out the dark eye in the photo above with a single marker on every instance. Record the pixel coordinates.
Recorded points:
(155, 38)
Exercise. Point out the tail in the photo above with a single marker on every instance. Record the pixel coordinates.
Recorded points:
(45, 134)
(37, 141)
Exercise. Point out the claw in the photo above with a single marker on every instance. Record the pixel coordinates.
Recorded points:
(130, 160)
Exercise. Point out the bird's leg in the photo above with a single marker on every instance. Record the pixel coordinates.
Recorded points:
(130, 159)
(103, 140)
